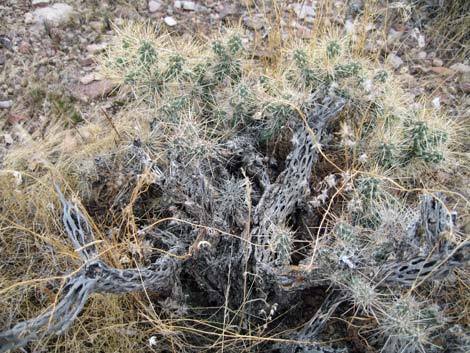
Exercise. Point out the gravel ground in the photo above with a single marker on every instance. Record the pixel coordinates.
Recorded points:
(47, 49)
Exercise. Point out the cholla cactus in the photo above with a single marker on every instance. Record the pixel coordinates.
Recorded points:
(369, 188)
(347, 70)
(381, 76)
(260, 183)
(147, 54)
(363, 294)
(277, 114)
(281, 245)
(228, 64)
(235, 44)
(387, 155)
(345, 232)
(175, 66)
(333, 49)
(231, 198)
(408, 326)
(425, 143)
(300, 58)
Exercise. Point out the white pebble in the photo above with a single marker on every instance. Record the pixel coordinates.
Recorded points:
(170, 21)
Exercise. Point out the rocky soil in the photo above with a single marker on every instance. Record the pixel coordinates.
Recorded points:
(47, 70)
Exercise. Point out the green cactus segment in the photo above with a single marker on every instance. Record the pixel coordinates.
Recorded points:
(333, 49)
(424, 143)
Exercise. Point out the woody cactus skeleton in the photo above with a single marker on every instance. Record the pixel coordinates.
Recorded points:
(93, 277)
(194, 197)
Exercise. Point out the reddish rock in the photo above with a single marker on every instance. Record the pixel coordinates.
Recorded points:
(87, 61)
(15, 118)
(459, 67)
(437, 62)
(465, 87)
(96, 48)
(440, 70)
(93, 90)
(24, 48)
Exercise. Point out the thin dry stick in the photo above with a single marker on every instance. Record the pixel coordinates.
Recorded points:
(111, 123)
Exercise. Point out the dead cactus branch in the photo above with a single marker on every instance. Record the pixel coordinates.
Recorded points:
(94, 277)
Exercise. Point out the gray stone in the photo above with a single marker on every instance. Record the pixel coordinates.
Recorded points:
(394, 36)
(422, 55)
(185, 5)
(95, 48)
(93, 90)
(395, 60)
(254, 22)
(39, 2)
(154, 6)
(55, 15)
(460, 67)
(170, 21)
(302, 10)
(349, 27)
(6, 104)
(189, 5)
(309, 19)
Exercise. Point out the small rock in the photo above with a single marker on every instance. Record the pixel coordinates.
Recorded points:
(15, 118)
(95, 48)
(8, 139)
(93, 90)
(39, 2)
(154, 6)
(349, 26)
(227, 10)
(393, 36)
(6, 104)
(203, 9)
(395, 60)
(302, 10)
(89, 78)
(28, 18)
(304, 32)
(87, 61)
(309, 19)
(440, 70)
(461, 68)
(464, 83)
(186, 5)
(6, 42)
(465, 87)
(170, 21)
(436, 102)
(409, 80)
(254, 22)
(24, 47)
(422, 55)
(189, 6)
(437, 62)
(98, 26)
(122, 11)
(416, 34)
(55, 15)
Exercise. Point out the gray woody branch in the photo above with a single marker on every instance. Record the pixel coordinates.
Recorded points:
(94, 277)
